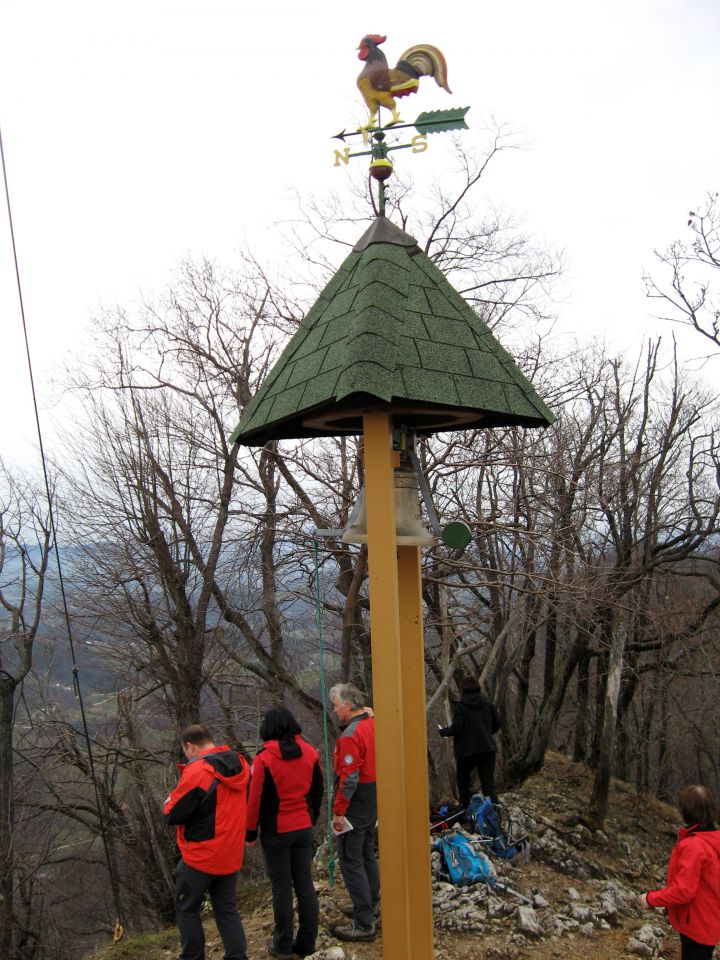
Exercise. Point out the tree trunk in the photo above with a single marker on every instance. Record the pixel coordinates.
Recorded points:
(155, 846)
(601, 681)
(642, 779)
(581, 724)
(550, 652)
(663, 792)
(352, 620)
(603, 772)
(523, 680)
(7, 865)
(627, 692)
(530, 760)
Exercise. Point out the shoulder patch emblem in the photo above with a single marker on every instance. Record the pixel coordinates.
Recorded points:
(348, 758)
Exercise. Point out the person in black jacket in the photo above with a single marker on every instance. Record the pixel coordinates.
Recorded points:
(475, 721)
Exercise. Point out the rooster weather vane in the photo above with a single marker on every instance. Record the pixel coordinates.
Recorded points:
(381, 86)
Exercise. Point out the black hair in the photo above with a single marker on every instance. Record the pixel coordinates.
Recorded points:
(469, 684)
(279, 724)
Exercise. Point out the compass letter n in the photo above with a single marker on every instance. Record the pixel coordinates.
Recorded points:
(343, 157)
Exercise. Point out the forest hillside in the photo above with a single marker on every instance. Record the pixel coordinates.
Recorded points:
(583, 885)
(198, 582)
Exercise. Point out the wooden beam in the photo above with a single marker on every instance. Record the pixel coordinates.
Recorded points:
(387, 690)
(414, 721)
(399, 702)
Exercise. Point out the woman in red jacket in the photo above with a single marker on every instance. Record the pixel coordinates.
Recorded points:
(692, 893)
(284, 802)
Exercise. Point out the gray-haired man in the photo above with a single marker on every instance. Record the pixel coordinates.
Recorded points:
(356, 799)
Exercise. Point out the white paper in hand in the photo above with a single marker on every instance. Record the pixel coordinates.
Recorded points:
(346, 827)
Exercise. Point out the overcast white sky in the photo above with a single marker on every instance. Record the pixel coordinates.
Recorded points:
(138, 132)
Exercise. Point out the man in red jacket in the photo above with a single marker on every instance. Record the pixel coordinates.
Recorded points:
(356, 801)
(208, 807)
(692, 893)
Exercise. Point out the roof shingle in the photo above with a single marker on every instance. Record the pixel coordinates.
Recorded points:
(389, 329)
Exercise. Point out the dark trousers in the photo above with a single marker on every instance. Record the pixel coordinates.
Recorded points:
(356, 852)
(190, 887)
(288, 861)
(484, 763)
(691, 950)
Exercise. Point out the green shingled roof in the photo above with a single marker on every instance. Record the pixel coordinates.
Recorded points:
(389, 331)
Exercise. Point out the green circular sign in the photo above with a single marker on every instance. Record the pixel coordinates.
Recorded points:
(456, 535)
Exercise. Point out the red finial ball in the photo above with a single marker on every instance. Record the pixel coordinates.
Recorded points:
(381, 170)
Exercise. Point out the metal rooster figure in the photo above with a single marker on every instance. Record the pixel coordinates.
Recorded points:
(381, 86)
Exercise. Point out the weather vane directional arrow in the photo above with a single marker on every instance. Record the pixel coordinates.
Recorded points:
(380, 86)
(433, 121)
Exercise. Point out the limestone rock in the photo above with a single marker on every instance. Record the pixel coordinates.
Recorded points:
(580, 912)
(638, 948)
(332, 953)
(646, 942)
(527, 919)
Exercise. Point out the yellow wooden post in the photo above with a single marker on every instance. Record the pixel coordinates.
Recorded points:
(399, 701)
(387, 690)
(417, 801)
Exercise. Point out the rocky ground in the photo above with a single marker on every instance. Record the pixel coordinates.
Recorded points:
(583, 886)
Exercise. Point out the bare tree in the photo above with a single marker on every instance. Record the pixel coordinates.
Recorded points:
(25, 544)
(687, 285)
(193, 575)
(179, 532)
(484, 250)
(573, 527)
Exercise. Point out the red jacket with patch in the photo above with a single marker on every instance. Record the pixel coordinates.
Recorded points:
(692, 893)
(209, 807)
(355, 789)
(286, 788)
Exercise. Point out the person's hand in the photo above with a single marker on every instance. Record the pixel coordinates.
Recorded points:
(251, 843)
(338, 823)
(643, 902)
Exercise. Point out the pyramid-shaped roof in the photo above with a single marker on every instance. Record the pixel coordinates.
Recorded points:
(390, 332)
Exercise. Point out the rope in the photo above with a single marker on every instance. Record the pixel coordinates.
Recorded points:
(75, 671)
(328, 770)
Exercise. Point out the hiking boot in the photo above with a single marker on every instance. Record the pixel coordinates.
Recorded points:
(353, 931)
(274, 952)
(299, 952)
(348, 910)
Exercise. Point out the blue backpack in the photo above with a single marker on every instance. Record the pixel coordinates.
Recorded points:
(465, 864)
(482, 818)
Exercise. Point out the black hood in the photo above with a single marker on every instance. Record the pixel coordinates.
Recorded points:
(473, 700)
(286, 748)
(227, 763)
